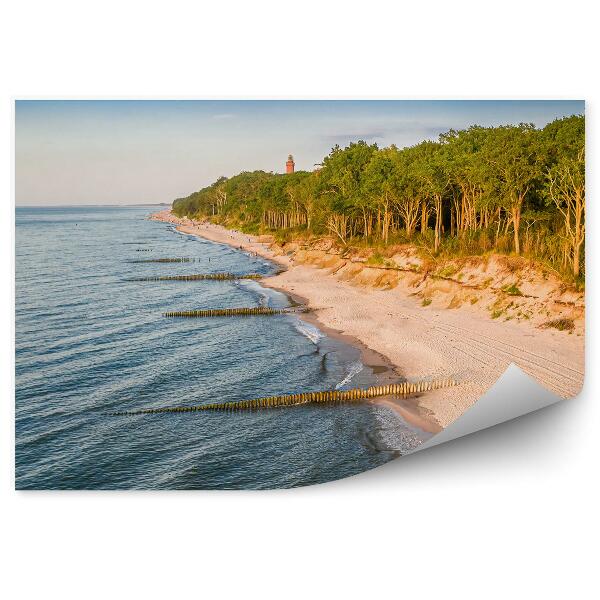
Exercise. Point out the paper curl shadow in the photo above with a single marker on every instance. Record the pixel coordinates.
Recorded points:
(514, 394)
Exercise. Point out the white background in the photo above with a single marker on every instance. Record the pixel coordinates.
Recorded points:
(507, 513)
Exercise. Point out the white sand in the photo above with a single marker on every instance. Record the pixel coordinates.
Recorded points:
(422, 341)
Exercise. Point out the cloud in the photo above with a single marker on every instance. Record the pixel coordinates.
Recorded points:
(336, 138)
(406, 132)
(223, 116)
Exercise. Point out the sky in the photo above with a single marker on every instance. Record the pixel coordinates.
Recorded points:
(148, 151)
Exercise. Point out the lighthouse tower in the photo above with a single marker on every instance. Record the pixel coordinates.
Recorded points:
(289, 165)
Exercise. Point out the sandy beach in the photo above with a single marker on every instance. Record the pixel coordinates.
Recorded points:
(419, 341)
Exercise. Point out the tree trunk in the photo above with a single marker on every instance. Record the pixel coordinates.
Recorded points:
(423, 216)
(516, 219)
(386, 222)
(438, 222)
(579, 232)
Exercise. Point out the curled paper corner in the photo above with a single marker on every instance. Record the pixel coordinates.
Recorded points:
(514, 394)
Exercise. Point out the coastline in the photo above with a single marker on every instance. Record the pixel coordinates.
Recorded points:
(394, 332)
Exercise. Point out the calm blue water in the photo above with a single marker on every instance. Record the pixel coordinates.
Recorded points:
(89, 342)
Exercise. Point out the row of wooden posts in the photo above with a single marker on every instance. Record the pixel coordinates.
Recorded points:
(232, 312)
(164, 260)
(201, 276)
(323, 397)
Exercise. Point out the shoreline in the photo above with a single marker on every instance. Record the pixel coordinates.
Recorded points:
(396, 333)
(380, 364)
(408, 409)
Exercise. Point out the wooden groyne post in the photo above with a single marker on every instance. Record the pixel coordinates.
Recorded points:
(201, 277)
(164, 260)
(321, 397)
(233, 312)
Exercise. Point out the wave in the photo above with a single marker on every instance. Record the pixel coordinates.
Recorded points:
(309, 331)
(185, 233)
(393, 434)
(354, 369)
(264, 295)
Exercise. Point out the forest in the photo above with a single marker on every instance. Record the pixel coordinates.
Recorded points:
(512, 189)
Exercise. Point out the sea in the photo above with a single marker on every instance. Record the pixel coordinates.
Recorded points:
(92, 341)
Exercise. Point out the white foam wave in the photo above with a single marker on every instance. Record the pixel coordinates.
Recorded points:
(309, 331)
(265, 295)
(354, 369)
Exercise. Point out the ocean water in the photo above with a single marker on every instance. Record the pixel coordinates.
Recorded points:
(89, 342)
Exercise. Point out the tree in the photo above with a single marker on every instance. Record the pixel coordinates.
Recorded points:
(341, 180)
(566, 189)
(432, 170)
(513, 156)
(378, 185)
(407, 190)
(464, 164)
(564, 143)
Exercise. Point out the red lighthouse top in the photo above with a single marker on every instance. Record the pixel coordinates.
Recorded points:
(289, 165)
